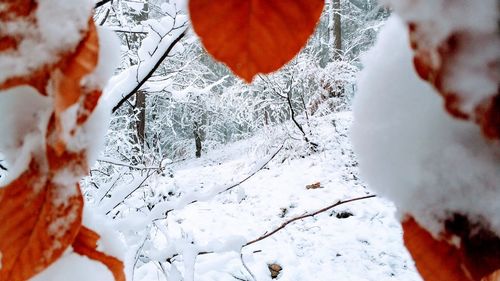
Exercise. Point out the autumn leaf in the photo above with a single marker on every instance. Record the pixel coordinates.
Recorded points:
(254, 36)
(438, 65)
(80, 63)
(67, 81)
(37, 223)
(41, 210)
(495, 276)
(471, 258)
(86, 245)
(435, 260)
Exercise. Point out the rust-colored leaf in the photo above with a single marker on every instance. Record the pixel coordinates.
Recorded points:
(82, 62)
(254, 36)
(41, 210)
(18, 8)
(474, 256)
(495, 276)
(86, 244)
(437, 65)
(68, 86)
(435, 260)
(37, 226)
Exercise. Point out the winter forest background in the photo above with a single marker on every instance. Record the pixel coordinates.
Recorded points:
(192, 106)
(192, 100)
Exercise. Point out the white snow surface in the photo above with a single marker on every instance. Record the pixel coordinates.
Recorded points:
(365, 246)
(411, 151)
(74, 267)
(58, 30)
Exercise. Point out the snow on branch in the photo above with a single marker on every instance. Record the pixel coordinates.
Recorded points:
(161, 42)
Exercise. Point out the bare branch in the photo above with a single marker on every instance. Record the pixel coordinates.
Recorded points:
(255, 172)
(101, 23)
(286, 223)
(148, 175)
(101, 3)
(306, 216)
(117, 163)
(153, 69)
(245, 265)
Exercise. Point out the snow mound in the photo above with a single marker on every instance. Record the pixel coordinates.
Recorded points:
(412, 151)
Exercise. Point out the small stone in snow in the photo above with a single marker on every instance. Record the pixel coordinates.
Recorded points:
(344, 215)
(314, 185)
(275, 270)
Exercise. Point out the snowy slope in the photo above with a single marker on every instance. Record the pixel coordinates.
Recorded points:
(365, 246)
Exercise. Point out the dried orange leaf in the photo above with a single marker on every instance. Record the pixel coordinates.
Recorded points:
(18, 8)
(438, 64)
(86, 244)
(37, 223)
(82, 62)
(254, 36)
(435, 260)
(495, 276)
(41, 211)
(474, 256)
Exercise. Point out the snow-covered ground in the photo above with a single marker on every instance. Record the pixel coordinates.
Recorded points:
(355, 241)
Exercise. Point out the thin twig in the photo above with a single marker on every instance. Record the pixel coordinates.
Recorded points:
(286, 223)
(127, 165)
(149, 174)
(238, 278)
(245, 265)
(101, 3)
(255, 172)
(105, 17)
(233, 185)
(146, 78)
(306, 216)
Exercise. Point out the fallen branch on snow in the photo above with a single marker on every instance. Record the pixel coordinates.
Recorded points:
(286, 223)
(340, 202)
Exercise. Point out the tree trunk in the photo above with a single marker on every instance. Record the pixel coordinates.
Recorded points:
(140, 105)
(337, 30)
(337, 89)
(197, 139)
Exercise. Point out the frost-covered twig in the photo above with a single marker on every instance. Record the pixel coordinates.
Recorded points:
(117, 163)
(167, 207)
(101, 3)
(312, 145)
(282, 226)
(150, 73)
(254, 172)
(245, 265)
(2, 167)
(267, 234)
(148, 175)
